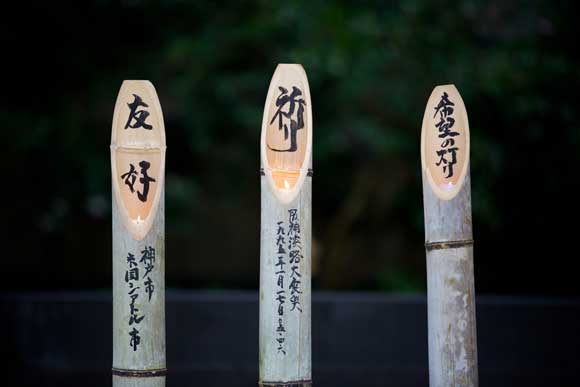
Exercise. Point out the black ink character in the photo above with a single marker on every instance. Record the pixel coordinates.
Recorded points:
(149, 287)
(295, 227)
(133, 289)
(280, 229)
(445, 110)
(134, 317)
(281, 298)
(293, 241)
(130, 177)
(293, 231)
(444, 106)
(135, 339)
(444, 125)
(138, 115)
(447, 164)
(281, 341)
(145, 180)
(295, 256)
(148, 259)
(295, 272)
(295, 301)
(294, 286)
(448, 142)
(131, 260)
(280, 328)
(280, 240)
(133, 272)
(295, 125)
(280, 263)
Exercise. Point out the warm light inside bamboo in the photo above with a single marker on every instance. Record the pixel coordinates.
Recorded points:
(138, 155)
(449, 240)
(285, 179)
(130, 170)
(445, 141)
(286, 231)
(138, 169)
(287, 129)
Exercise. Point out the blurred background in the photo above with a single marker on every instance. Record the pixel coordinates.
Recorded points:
(371, 67)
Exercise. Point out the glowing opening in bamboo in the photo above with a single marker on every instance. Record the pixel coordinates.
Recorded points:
(138, 176)
(285, 179)
(286, 126)
(286, 166)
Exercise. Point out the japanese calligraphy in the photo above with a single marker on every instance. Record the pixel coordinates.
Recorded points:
(133, 275)
(287, 272)
(135, 339)
(148, 259)
(137, 117)
(295, 254)
(292, 115)
(448, 152)
(281, 291)
(130, 177)
(445, 142)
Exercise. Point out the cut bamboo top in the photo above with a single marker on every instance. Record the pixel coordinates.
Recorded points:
(286, 143)
(445, 162)
(445, 141)
(137, 155)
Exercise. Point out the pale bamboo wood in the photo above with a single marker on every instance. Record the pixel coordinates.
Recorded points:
(449, 250)
(137, 227)
(286, 185)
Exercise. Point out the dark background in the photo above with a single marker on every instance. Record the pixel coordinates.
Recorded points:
(371, 67)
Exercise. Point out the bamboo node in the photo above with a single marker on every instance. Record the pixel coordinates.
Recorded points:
(139, 373)
(429, 246)
(298, 383)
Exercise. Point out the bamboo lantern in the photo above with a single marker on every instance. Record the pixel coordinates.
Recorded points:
(285, 239)
(138, 169)
(448, 240)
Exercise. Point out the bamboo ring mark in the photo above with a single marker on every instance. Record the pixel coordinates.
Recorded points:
(140, 373)
(298, 383)
(448, 245)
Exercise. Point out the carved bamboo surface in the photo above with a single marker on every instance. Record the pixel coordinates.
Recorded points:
(138, 168)
(286, 231)
(449, 241)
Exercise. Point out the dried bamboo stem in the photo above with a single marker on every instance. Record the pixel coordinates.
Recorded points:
(448, 241)
(138, 169)
(285, 240)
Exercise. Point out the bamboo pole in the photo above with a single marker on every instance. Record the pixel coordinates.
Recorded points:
(448, 240)
(285, 240)
(138, 169)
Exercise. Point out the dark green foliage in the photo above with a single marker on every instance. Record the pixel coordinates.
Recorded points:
(371, 66)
